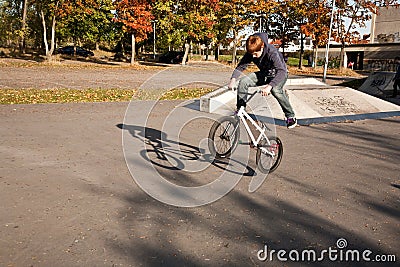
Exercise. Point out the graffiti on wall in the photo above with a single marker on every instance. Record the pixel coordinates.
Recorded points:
(381, 65)
(388, 38)
(379, 83)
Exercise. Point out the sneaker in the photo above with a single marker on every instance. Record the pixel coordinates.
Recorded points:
(291, 122)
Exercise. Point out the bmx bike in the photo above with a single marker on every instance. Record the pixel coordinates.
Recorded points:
(224, 135)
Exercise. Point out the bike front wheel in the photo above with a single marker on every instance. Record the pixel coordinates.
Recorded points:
(266, 162)
(223, 137)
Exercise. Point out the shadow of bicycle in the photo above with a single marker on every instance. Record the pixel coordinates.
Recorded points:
(171, 158)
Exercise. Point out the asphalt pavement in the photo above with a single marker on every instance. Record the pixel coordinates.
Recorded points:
(68, 198)
(72, 195)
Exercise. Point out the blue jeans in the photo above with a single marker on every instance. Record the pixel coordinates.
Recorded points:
(258, 79)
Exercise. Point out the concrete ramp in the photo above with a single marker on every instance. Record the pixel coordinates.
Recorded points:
(314, 102)
(378, 84)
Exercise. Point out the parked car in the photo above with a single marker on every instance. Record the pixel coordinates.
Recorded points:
(172, 57)
(69, 50)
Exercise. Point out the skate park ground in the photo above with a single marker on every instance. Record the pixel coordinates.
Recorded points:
(68, 198)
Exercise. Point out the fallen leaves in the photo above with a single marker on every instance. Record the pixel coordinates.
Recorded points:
(36, 96)
(185, 93)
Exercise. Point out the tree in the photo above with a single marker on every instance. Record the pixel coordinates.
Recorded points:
(135, 16)
(167, 14)
(49, 10)
(101, 27)
(189, 20)
(11, 17)
(296, 13)
(23, 26)
(236, 14)
(198, 21)
(86, 21)
(317, 25)
(283, 25)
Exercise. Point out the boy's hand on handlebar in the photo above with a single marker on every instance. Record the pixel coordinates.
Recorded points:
(232, 84)
(266, 90)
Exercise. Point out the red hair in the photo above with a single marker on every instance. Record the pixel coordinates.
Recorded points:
(254, 44)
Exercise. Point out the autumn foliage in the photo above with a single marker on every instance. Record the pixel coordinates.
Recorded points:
(136, 16)
(180, 22)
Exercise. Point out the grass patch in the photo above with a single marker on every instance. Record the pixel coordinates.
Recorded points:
(36, 96)
(292, 61)
(185, 93)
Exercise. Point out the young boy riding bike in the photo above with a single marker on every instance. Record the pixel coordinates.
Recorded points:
(272, 73)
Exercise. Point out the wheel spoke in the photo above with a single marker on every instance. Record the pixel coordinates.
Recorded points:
(269, 156)
(223, 137)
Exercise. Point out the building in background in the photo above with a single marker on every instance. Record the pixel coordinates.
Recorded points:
(380, 51)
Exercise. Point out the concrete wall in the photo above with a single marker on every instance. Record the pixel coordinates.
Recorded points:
(387, 25)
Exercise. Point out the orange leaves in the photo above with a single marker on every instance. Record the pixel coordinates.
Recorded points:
(70, 7)
(263, 6)
(136, 17)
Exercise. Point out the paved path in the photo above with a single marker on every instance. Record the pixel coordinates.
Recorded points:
(94, 76)
(68, 198)
(72, 78)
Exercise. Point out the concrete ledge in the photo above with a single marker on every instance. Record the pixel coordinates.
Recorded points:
(302, 81)
(214, 100)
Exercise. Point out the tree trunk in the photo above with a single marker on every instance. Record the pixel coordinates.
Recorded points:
(301, 50)
(234, 49)
(46, 45)
(341, 64)
(191, 49)
(49, 52)
(133, 49)
(216, 53)
(53, 37)
(23, 28)
(315, 59)
(234, 55)
(185, 56)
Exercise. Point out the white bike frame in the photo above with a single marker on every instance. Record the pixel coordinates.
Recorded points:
(243, 115)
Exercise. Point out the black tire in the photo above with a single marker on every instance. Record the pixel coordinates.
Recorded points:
(265, 162)
(223, 137)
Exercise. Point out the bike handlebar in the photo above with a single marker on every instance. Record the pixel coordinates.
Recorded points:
(256, 91)
(250, 94)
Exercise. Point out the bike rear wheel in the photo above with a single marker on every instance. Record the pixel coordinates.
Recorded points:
(265, 162)
(223, 137)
